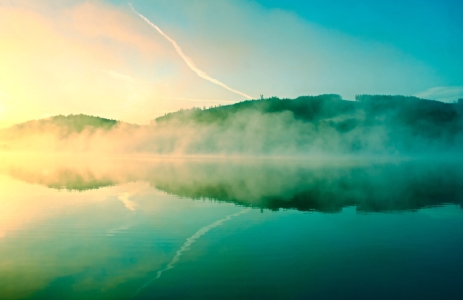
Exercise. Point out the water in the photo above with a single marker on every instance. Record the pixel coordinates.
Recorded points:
(141, 228)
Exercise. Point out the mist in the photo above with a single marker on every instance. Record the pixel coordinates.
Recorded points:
(302, 184)
(315, 126)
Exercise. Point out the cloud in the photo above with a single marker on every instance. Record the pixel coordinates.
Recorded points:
(99, 20)
(443, 93)
(52, 57)
(2, 106)
(50, 67)
(120, 76)
(125, 199)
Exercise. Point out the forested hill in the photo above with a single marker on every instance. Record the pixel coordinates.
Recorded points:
(373, 124)
(67, 124)
(324, 124)
(315, 108)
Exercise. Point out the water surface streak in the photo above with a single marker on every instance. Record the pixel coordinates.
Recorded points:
(189, 241)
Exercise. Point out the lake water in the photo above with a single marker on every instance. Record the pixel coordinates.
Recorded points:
(141, 228)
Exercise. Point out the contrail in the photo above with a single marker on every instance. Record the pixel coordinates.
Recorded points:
(201, 100)
(189, 241)
(188, 60)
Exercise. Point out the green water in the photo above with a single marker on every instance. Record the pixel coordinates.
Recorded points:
(230, 229)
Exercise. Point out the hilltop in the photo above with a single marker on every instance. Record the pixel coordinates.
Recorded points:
(49, 132)
(324, 124)
(68, 124)
(375, 123)
(329, 106)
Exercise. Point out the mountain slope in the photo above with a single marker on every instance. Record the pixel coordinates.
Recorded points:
(372, 123)
(309, 125)
(67, 124)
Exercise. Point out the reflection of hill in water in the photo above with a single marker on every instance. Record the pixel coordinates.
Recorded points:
(64, 179)
(288, 184)
(380, 187)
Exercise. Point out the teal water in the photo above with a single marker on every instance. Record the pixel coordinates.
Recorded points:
(205, 229)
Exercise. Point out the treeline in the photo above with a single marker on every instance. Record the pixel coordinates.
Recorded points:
(370, 186)
(374, 123)
(310, 108)
(307, 125)
(66, 125)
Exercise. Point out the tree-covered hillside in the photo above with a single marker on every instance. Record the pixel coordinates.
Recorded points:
(375, 123)
(309, 125)
(306, 108)
(404, 109)
(68, 124)
(51, 134)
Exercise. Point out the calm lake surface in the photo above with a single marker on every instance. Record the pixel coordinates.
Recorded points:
(125, 228)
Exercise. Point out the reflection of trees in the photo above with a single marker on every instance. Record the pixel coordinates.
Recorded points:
(65, 179)
(386, 187)
(287, 184)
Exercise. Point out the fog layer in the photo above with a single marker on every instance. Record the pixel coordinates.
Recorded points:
(306, 126)
(307, 185)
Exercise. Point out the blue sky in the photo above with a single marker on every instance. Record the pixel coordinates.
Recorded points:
(425, 37)
(431, 31)
(101, 58)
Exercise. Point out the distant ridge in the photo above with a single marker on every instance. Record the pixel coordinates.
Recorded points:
(307, 125)
(307, 108)
(70, 123)
(302, 107)
(310, 108)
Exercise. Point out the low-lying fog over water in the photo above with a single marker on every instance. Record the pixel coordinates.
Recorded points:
(231, 149)
(86, 227)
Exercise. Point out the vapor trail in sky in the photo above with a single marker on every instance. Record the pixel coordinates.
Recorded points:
(188, 60)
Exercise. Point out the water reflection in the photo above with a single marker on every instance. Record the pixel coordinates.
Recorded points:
(95, 228)
(90, 245)
(325, 186)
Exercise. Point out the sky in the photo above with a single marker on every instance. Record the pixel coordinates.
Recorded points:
(104, 58)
